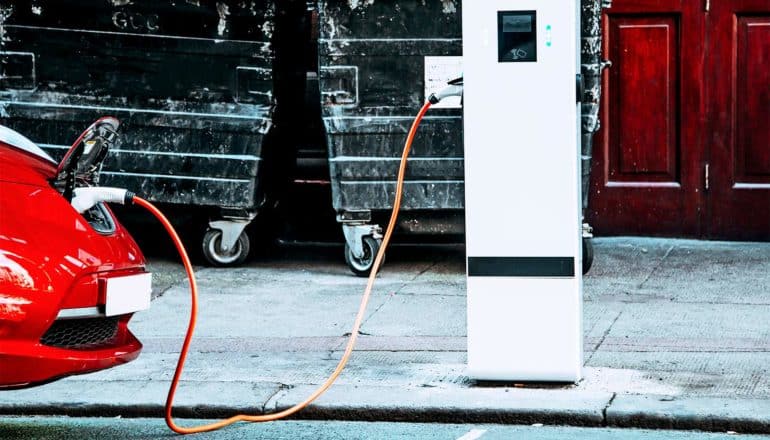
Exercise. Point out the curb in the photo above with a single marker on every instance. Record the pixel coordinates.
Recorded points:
(750, 416)
(422, 404)
(638, 420)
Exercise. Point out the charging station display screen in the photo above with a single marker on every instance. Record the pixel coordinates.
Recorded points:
(516, 36)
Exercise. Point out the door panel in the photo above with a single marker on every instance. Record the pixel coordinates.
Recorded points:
(752, 131)
(752, 147)
(644, 150)
(646, 177)
(739, 114)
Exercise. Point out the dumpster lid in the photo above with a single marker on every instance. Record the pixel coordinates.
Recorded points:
(83, 160)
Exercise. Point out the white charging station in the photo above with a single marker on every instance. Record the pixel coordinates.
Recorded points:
(522, 190)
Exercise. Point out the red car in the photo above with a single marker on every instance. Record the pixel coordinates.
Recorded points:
(69, 282)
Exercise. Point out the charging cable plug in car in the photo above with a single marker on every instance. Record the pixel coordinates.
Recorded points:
(85, 198)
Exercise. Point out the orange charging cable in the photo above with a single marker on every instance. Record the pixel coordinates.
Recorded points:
(353, 334)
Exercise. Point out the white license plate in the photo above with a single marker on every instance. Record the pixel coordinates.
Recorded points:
(128, 294)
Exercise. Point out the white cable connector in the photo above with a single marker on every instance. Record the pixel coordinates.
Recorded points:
(451, 90)
(85, 198)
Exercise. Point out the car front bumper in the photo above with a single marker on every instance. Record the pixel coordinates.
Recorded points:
(24, 364)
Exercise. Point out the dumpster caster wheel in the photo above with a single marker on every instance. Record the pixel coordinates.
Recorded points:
(216, 256)
(362, 267)
(588, 255)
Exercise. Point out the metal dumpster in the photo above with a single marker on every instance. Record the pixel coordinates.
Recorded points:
(190, 81)
(378, 62)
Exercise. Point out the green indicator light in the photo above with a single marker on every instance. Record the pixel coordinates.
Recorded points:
(548, 35)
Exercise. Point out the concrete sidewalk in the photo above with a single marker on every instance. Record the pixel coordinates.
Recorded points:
(677, 335)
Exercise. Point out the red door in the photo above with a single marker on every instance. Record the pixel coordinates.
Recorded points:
(647, 159)
(685, 142)
(738, 141)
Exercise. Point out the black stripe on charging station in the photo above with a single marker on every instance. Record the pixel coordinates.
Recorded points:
(521, 267)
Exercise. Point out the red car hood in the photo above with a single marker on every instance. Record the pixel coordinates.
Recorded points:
(20, 166)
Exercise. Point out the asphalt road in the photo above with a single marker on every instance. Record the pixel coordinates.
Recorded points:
(101, 428)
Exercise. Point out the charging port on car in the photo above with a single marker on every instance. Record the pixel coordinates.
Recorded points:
(100, 219)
